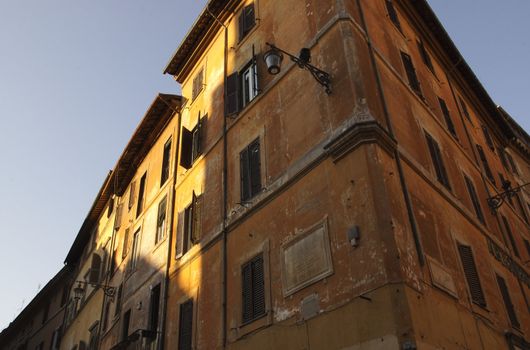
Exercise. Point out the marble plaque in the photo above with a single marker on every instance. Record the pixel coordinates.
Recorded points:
(306, 259)
(441, 278)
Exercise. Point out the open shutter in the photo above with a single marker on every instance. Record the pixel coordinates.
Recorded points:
(197, 209)
(447, 117)
(179, 242)
(186, 325)
(95, 269)
(258, 287)
(411, 73)
(186, 148)
(508, 302)
(470, 271)
(249, 18)
(119, 213)
(244, 174)
(255, 167)
(232, 94)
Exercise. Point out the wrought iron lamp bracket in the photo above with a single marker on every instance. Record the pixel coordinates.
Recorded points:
(496, 201)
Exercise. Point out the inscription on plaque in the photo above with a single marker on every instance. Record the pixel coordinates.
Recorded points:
(306, 259)
(441, 278)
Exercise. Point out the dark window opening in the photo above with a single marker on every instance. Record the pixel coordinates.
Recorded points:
(437, 160)
(465, 110)
(125, 325)
(447, 116)
(474, 199)
(521, 208)
(253, 289)
(165, 163)
(154, 306)
(485, 164)
(471, 274)
(191, 144)
(161, 220)
(135, 251)
(117, 310)
(185, 325)
(111, 207)
(250, 171)
(502, 156)
(510, 235)
(247, 20)
(487, 136)
(392, 14)
(510, 309)
(426, 57)
(414, 83)
(132, 193)
(512, 163)
(141, 192)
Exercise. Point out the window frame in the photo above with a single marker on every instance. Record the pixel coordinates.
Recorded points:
(165, 170)
(161, 221)
(437, 161)
(246, 21)
(412, 76)
(471, 275)
(251, 315)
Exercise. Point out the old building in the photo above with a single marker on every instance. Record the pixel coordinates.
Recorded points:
(38, 326)
(374, 199)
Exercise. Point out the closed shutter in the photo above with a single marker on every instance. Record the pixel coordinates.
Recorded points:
(392, 14)
(487, 136)
(154, 306)
(179, 242)
(436, 156)
(255, 167)
(200, 134)
(119, 214)
(244, 172)
(197, 217)
(232, 94)
(464, 109)
(471, 274)
(508, 302)
(125, 248)
(186, 148)
(447, 117)
(425, 56)
(258, 287)
(117, 310)
(474, 199)
(512, 163)
(186, 325)
(247, 292)
(95, 269)
(411, 73)
(485, 163)
(510, 235)
(502, 156)
(132, 194)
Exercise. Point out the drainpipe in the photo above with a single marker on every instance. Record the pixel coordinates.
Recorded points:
(224, 290)
(404, 188)
(165, 297)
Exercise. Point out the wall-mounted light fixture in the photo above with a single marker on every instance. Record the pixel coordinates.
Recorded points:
(495, 202)
(273, 58)
(80, 289)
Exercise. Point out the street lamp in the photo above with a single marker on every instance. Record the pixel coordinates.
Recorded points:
(495, 202)
(80, 289)
(273, 59)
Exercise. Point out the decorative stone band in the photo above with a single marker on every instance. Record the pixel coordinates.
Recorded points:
(508, 262)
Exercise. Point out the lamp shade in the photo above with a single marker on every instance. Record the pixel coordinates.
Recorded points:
(78, 291)
(273, 60)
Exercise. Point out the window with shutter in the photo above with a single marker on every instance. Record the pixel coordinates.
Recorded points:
(165, 162)
(117, 219)
(414, 83)
(464, 109)
(119, 293)
(392, 14)
(474, 199)
(125, 247)
(132, 193)
(135, 251)
(161, 220)
(249, 83)
(508, 302)
(191, 147)
(512, 163)
(250, 171)
(253, 289)
(111, 207)
(154, 305)
(195, 233)
(447, 117)
(232, 94)
(485, 163)
(198, 84)
(141, 192)
(95, 269)
(179, 242)
(527, 245)
(185, 325)
(247, 20)
(471, 274)
(487, 137)
(510, 235)
(425, 56)
(502, 156)
(521, 208)
(125, 325)
(437, 160)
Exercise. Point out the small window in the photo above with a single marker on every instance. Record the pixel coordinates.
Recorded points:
(161, 220)
(253, 289)
(247, 20)
(132, 193)
(191, 144)
(471, 274)
(56, 339)
(512, 163)
(141, 192)
(250, 171)
(487, 136)
(185, 325)
(510, 309)
(198, 84)
(135, 251)
(485, 164)
(95, 269)
(414, 83)
(425, 56)
(125, 247)
(447, 117)
(154, 308)
(117, 219)
(392, 14)
(241, 88)
(510, 235)
(165, 163)
(502, 156)
(437, 160)
(464, 109)
(474, 199)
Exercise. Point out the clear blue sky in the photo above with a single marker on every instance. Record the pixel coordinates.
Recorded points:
(77, 76)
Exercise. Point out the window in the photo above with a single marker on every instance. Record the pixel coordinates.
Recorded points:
(512, 163)
(447, 117)
(125, 248)
(521, 208)
(125, 325)
(474, 198)
(510, 235)
(56, 339)
(502, 156)
(508, 302)
(141, 191)
(95, 269)
(191, 144)
(247, 20)
(161, 220)
(253, 289)
(135, 251)
(165, 163)
(117, 219)
(471, 274)
(132, 190)
(464, 109)
(437, 160)
(414, 83)
(241, 88)
(198, 84)
(154, 305)
(93, 339)
(425, 56)
(189, 226)
(250, 171)
(117, 310)
(487, 136)
(392, 14)
(485, 163)
(185, 325)
(106, 313)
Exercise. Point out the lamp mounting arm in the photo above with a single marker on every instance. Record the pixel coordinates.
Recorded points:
(496, 201)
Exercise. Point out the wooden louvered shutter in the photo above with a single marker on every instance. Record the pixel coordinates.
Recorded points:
(95, 269)
(474, 199)
(244, 172)
(179, 242)
(510, 235)
(200, 134)
(411, 73)
(125, 248)
(232, 94)
(436, 156)
(487, 136)
(255, 165)
(119, 213)
(186, 148)
(485, 163)
(470, 271)
(447, 117)
(508, 302)
(258, 287)
(186, 325)
(132, 194)
(247, 292)
(196, 214)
